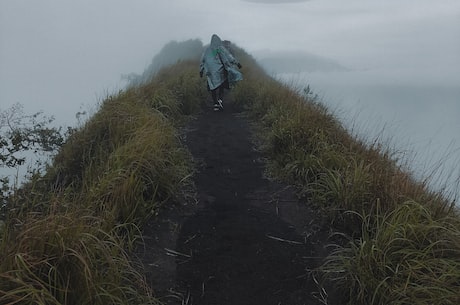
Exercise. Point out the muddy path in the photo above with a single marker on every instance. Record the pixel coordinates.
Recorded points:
(245, 239)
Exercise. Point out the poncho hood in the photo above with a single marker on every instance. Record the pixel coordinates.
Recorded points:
(219, 64)
(216, 42)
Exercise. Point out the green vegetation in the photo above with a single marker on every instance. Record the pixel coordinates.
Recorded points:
(68, 233)
(21, 133)
(397, 242)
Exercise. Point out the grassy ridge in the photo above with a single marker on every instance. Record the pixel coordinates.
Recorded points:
(68, 234)
(399, 243)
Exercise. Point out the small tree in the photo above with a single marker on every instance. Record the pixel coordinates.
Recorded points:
(19, 133)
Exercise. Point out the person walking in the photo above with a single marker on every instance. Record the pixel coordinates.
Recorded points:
(219, 66)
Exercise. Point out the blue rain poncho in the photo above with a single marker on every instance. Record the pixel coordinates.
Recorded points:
(218, 64)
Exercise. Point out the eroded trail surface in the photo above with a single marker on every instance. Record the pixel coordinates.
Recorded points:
(247, 240)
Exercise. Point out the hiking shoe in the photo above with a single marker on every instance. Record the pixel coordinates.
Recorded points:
(221, 105)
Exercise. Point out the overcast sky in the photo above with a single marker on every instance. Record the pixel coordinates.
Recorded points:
(57, 55)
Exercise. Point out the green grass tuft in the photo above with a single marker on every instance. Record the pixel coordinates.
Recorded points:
(68, 235)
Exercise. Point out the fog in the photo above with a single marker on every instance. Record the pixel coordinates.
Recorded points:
(398, 59)
(418, 121)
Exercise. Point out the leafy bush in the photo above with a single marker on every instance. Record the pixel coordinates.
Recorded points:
(21, 132)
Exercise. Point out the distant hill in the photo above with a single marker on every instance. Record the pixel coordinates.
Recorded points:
(170, 54)
(296, 61)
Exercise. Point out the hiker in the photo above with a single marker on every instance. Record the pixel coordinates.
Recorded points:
(219, 66)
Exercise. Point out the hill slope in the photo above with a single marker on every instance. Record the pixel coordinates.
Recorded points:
(134, 164)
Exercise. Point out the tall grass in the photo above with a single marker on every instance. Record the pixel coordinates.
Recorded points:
(68, 259)
(68, 233)
(404, 256)
(400, 241)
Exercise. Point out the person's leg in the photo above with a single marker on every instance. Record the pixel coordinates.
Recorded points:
(221, 92)
(215, 100)
(221, 95)
(214, 96)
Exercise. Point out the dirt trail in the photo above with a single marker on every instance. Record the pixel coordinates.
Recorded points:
(247, 240)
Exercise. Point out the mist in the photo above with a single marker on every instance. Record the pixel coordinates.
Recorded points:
(170, 54)
(390, 63)
(418, 118)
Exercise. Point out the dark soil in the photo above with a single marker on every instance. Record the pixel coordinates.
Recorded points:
(245, 239)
